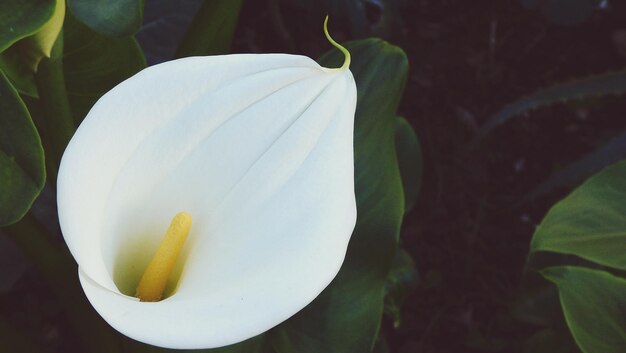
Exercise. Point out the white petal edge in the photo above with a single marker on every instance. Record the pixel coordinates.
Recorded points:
(268, 178)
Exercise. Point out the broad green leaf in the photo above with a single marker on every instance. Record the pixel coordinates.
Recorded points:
(22, 18)
(113, 18)
(594, 304)
(22, 171)
(93, 64)
(600, 85)
(212, 29)
(410, 161)
(345, 318)
(401, 281)
(590, 222)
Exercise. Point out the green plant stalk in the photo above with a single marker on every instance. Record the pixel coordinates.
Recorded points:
(55, 107)
(60, 272)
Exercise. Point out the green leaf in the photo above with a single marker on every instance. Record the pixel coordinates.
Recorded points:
(345, 318)
(113, 18)
(600, 85)
(211, 31)
(22, 169)
(590, 222)
(402, 280)
(94, 64)
(594, 304)
(410, 161)
(22, 18)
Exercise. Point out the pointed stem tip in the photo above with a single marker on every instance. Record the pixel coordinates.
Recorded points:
(346, 53)
(154, 279)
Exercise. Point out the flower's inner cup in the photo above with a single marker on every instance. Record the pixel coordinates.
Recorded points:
(150, 274)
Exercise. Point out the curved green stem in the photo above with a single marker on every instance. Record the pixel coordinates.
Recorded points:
(346, 53)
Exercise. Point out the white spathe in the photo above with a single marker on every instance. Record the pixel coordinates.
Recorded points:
(258, 148)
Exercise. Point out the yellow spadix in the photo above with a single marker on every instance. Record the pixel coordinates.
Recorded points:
(154, 279)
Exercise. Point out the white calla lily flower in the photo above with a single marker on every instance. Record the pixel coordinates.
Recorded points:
(257, 149)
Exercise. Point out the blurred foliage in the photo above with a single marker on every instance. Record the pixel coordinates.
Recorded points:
(21, 156)
(611, 152)
(590, 223)
(55, 121)
(594, 304)
(165, 24)
(211, 31)
(401, 281)
(113, 18)
(594, 86)
(93, 64)
(613, 83)
(410, 161)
